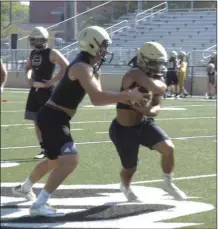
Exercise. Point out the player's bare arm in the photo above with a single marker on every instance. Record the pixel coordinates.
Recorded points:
(57, 58)
(154, 85)
(3, 75)
(92, 86)
(28, 75)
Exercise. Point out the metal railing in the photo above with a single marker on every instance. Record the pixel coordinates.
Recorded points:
(68, 46)
(72, 17)
(192, 10)
(16, 58)
(111, 31)
(151, 10)
(211, 48)
(125, 22)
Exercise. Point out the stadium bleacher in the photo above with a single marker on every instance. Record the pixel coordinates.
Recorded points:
(190, 31)
(187, 30)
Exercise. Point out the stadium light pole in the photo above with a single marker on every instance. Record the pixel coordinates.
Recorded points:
(10, 12)
(75, 19)
(192, 5)
(139, 6)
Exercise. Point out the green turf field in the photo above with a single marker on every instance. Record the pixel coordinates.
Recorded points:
(191, 122)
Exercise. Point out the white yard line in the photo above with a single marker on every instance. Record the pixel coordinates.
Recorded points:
(86, 122)
(32, 127)
(87, 108)
(178, 178)
(40, 185)
(101, 142)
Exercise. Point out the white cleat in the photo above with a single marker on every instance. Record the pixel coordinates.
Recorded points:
(174, 191)
(19, 191)
(41, 155)
(44, 210)
(129, 194)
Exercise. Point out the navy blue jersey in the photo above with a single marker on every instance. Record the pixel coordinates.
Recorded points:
(42, 66)
(172, 64)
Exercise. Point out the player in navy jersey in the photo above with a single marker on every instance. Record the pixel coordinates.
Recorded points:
(53, 119)
(39, 72)
(212, 76)
(172, 73)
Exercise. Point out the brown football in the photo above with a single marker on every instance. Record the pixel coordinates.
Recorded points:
(147, 97)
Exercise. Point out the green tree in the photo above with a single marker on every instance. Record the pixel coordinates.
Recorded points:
(19, 14)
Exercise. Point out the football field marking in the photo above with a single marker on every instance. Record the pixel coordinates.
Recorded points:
(87, 122)
(32, 127)
(8, 164)
(177, 178)
(41, 185)
(101, 142)
(97, 108)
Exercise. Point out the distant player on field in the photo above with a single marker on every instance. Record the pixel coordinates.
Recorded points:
(39, 71)
(212, 76)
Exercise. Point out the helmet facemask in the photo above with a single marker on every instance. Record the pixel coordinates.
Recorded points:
(103, 51)
(38, 43)
(104, 54)
(153, 68)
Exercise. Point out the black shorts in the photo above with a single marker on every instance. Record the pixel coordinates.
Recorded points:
(36, 99)
(128, 139)
(172, 78)
(211, 78)
(55, 129)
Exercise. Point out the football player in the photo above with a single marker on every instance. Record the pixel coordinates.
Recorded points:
(182, 71)
(39, 72)
(134, 124)
(212, 76)
(172, 74)
(54, 117)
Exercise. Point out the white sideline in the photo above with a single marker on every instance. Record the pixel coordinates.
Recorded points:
(86, 122)
(178, 178)
(100, 142)
(85, 108)
(41, 185)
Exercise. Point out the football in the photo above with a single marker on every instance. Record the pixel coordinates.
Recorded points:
(147, 97)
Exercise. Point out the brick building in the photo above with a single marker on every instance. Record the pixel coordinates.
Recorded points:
(53, 11)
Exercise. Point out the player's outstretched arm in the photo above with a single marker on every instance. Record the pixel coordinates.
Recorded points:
(84, 73)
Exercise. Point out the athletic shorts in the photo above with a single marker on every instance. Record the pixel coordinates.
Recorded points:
(128, 139)
(211, 78)
(171, 78)
(54, 125)
(36, 99)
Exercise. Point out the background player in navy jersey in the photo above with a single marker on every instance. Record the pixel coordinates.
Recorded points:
(212, 76)
(54, 117)
(39, 72)
(172, 74)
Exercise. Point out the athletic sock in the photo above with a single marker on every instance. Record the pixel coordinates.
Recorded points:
(168, 178)
(43, 197)
(27, 185)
